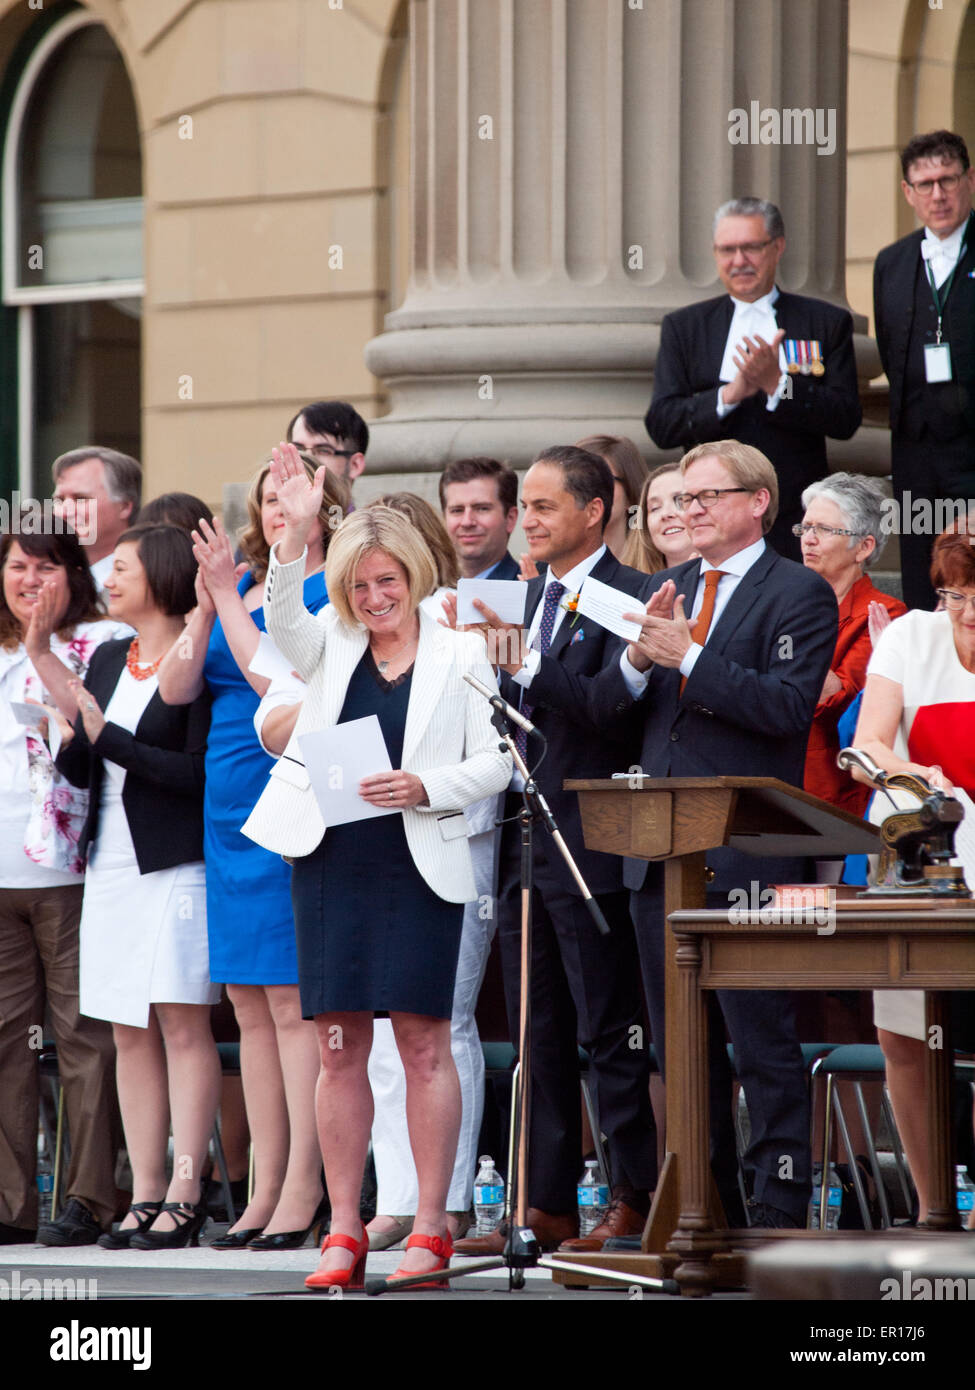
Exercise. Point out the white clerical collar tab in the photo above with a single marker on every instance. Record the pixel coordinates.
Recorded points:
(762, 305)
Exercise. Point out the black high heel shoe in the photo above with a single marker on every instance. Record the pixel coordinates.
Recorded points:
(144, 1212)
(189, 1222)
(292, 1240)
(236, 1240)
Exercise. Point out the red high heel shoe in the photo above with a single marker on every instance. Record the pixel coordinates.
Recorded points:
(353, 1278)
(442, 1247)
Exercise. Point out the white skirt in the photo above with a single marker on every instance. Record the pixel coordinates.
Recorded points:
(900, 1011)
(143, 936)
(143, 940)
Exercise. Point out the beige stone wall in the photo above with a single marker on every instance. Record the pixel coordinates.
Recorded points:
(264, 269)
(265, 144)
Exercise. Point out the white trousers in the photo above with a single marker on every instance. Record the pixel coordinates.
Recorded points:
(395, 1170)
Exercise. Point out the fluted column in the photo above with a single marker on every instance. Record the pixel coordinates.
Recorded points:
(568, 156)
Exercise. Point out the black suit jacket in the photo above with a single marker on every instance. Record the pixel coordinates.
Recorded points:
(748, 705)
(793, 436)
(575, 747)
(163, 759)
(895, 280)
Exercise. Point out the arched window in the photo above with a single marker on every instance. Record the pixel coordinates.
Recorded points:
(72, 248)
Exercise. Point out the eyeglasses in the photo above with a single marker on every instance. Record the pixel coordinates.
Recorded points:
(947, 183)
(955, 603)
(706, 499)
(325, 451)
(747, 248)
(802, 528)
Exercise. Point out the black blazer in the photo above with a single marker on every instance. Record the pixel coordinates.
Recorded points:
(163, 759)
(575, 747)
(793, 436)
(895, 279)
(748, 705)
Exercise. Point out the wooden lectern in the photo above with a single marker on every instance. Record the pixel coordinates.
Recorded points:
(678, 820)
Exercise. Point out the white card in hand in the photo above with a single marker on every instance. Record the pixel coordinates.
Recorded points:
(268, 662)
(31, 716)
(606, 607)
(337, 759)
(506, 597)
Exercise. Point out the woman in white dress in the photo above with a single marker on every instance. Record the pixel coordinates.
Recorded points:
(144, 959)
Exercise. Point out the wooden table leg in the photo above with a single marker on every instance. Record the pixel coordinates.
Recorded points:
(938, 1070)
(683, 888)
(695, 1238)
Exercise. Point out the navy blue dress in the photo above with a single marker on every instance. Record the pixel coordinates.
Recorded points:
(372, 935)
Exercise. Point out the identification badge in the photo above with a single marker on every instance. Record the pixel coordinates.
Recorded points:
(937, 362)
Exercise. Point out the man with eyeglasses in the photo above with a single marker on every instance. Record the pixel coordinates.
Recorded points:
(924, 314)
(335, 434)
(772, 369)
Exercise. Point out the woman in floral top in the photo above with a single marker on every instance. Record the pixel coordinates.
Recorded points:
(49, 626)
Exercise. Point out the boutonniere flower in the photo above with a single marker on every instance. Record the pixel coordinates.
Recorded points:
(571, 605)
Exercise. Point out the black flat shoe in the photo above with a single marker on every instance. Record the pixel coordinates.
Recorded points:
(236, 1240)
(189, 1222)
(292, 1240)
(117, 1239)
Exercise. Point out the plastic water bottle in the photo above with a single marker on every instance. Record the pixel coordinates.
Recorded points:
(965, 1193)
(834, 1200)
(45, 1190)
(488, 1196)
(592, 1195)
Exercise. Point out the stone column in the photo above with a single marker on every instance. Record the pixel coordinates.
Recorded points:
(568, 156)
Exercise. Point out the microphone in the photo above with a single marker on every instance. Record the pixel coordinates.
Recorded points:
(496, 701)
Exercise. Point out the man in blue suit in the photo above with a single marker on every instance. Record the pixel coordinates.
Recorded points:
(733, 695)
(479, 500)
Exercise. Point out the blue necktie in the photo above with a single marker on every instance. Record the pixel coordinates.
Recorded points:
(542, 642)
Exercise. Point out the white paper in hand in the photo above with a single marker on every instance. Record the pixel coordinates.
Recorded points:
(268, 662)
(31, 716)
(506, 597)
(337, 759)
(606, 607)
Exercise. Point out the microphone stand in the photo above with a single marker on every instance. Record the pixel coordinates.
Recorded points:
(521, 1249)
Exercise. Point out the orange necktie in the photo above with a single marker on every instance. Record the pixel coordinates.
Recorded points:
(702, 623)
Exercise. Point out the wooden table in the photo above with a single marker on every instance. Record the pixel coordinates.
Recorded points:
(927, 944)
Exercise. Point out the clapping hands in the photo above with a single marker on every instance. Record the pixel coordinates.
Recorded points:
(91, 715)
(758, 368)
(665, 632)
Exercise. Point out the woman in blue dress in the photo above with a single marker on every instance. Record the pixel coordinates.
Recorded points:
(251, 927)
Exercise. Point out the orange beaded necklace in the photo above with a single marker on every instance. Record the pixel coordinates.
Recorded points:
(137, 672)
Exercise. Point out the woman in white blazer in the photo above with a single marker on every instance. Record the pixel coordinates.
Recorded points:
(378, 903)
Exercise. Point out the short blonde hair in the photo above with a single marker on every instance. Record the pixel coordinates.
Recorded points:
(747, 465)
(376, 528)
(335, 503)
